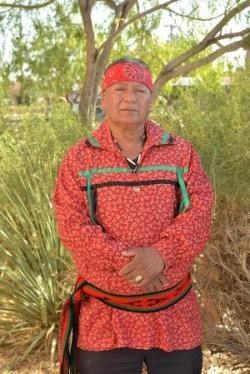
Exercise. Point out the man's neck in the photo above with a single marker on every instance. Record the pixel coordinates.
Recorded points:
(129, 134)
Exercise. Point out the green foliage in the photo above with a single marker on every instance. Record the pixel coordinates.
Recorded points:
(35, 268)
(32, 266)
(216, 119)
(50, 58)
(56, 54)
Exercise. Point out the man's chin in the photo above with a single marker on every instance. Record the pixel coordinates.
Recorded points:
(129, 117)
(130, 122)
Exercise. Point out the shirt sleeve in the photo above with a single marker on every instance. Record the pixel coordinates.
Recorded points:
(96, 254)
(185, 238)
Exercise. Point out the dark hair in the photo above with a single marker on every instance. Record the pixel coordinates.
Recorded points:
(127, 59)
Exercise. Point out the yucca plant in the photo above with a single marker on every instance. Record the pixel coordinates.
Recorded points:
(34, 266)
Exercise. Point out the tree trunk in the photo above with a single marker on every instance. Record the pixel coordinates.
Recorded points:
(91, 61)
(86, 95)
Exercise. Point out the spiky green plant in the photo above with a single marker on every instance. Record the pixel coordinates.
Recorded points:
(34, 265)
(35, 270)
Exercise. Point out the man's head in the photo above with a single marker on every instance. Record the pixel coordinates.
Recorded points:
(127, 91)
(127, 69)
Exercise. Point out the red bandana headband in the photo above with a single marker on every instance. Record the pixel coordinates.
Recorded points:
(127, 72)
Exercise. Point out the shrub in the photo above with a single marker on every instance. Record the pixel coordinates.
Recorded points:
(217, 122)
(218, 125)
(35, 268)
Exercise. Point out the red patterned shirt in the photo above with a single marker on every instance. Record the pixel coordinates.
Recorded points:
(103, 207)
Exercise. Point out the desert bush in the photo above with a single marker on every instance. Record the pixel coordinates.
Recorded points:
(217, 122)
(35, 268)
(223, 283)
(35, 142)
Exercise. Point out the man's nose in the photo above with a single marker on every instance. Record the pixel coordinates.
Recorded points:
(129, 95)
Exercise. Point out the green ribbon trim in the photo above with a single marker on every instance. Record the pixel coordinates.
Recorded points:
(86, 173)
(179, 171)
(165, 138)
(185, 203)
(93, 141)
(89, 197)
(91, 172)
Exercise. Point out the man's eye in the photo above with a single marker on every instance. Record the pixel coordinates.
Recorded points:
(140, 90)
(119, 89)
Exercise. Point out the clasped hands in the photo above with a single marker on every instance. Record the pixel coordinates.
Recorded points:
(148, 263)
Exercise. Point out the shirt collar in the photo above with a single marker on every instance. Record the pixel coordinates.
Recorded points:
(155, 135)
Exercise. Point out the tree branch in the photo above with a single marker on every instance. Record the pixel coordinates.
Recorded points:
(192, 17)
(26, 7)
(205, 60)
(121, 13)
(147, 12)
(85, 8)
(163, 78)
(138, 10)
(232, 35)
(123, 10)
(91, 54)
(137, 17)
(111, 4)
(227, 18)
(208, 40)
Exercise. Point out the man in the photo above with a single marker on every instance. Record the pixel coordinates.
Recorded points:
(133, 205)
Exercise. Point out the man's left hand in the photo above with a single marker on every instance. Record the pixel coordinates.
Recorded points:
(147, 262)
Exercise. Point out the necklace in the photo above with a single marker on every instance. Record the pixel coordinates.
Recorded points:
(132, 163)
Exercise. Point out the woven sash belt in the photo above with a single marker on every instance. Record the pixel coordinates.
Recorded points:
(143, 303)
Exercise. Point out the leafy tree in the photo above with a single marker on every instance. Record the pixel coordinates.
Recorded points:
(120, 16)
(50, 58)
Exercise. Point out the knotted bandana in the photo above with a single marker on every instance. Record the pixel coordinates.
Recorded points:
(127, 72)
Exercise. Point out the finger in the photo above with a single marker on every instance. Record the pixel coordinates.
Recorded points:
(162, 278)
(132, 276)
(148, 288)
(147, 280)
(130, 267)
(157, 284)
(152, 286)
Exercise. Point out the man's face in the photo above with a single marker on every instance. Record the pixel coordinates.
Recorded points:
(127, 103)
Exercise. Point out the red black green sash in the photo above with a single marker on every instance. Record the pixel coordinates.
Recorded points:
(143, 303)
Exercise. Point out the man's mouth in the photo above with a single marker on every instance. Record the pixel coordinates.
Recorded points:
(128, 110)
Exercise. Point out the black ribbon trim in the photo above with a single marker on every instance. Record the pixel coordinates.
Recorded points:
(132, 183)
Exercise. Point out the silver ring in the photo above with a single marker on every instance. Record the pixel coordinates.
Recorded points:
(138, 278)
